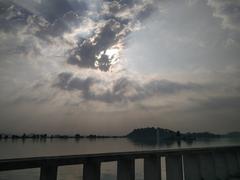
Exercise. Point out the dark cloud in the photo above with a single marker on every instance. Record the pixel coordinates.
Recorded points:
(122, 90)
(12, 17)
(30, 29)
(54, 9)
(146, 11)
(85, 55)
(63, 80)
(90, 53)
(228, 11)
(4, 5)
(168, 87)
(117, 93)
(51, 19)
(127, 2)
(62, 16)
(67, 81)
(218, 103)
(60, 26)
(124, 3)
(28, 99)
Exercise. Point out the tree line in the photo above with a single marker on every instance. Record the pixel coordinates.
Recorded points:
(47, 136)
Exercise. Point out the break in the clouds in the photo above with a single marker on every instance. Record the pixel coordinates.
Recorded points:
(123, 63)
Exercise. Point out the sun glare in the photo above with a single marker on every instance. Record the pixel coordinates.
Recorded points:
(111, 56)
(112, 52)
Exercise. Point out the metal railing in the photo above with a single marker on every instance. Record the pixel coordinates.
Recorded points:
(190, 164)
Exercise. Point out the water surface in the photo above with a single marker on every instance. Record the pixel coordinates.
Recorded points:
(54, 147)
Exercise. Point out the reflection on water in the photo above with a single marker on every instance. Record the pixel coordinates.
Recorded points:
(70, 172)
(29, 174)
(53, 147)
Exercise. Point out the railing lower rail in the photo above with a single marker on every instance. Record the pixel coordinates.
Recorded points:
(190, 164)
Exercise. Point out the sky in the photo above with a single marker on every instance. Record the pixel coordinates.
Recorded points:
(109, 66)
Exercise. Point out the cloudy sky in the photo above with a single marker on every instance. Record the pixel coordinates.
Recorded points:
(108, 66)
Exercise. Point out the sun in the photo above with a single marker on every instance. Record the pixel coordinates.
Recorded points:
(108, 57)
(113, 54)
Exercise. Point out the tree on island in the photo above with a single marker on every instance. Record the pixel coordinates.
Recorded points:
(24, 136)
(77, 136)
(91, 136)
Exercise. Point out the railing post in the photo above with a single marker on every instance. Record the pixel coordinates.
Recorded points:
(126, 169)
(152, 168)
(48, 171)
(220, 165)
(91, 170)
(232, 163)
(238, 157)
(174, 170)
(208, 169)
(191, 167)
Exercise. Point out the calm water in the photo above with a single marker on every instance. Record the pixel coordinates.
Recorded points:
(33, 148)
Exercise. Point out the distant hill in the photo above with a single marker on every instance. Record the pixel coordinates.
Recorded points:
(150, 133)
(232, 134)
(166, 134)
(142, 134)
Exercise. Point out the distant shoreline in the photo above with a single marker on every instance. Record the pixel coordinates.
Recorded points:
(141, 134)
(46, 136)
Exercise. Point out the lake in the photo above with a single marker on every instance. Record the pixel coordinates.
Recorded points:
(54, 147)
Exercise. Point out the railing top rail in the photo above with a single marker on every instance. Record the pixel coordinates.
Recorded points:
(36, 162)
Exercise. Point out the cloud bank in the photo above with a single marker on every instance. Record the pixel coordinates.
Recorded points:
(78, 63)
(121, 90)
